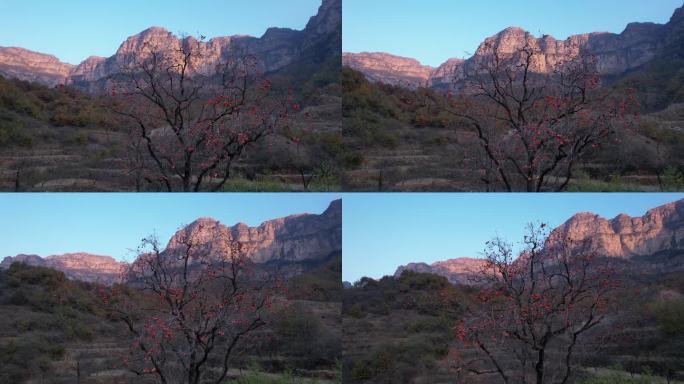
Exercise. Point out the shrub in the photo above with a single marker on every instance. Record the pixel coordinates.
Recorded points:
(673, 180)
(256, 376)
(619, 376)
(670, 316)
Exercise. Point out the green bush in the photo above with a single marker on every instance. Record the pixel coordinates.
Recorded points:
(261, 184)
(673, 180)
(670, 316)
(619, 376)
(256, 376)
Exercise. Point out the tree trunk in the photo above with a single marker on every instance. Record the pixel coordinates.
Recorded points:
(539, 368)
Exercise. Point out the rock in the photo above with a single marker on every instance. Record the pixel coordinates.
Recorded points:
(660, 229)
(389, 69)
(443, 76)
(304, 240)
(76, 266)
(275, 50)
(296, 238)
(33, 66)
(616, 54)
(457, 271)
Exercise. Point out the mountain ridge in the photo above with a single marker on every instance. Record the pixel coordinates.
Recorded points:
(275, 49)
(297, 241)
(659, 230)
(616, 53)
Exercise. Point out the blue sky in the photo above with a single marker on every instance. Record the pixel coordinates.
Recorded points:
(112, 224)
(383, 231)
(435, 30)
(75, 29)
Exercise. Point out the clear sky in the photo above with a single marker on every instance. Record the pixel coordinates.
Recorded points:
(113, 224)
(72, 30)
(435, 30)
(383, 231)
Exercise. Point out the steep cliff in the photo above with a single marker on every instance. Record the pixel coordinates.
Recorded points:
(295, 244)
(457, 271)
(616, 54)
(297, 238)
(660, 229)
(389, 69)
(275, 50)
(632, 239)
(77, 266)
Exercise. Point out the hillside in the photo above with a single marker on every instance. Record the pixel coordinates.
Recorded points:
(398, 139)
(61, 127)
(55, 329)
(409, 326)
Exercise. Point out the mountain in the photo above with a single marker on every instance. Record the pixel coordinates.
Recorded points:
(291, 245)
(616, 54)
(389, 69)
(275, 50)
(654, 241)
(294, 239)
(660, 230)
(76, 266)
(457, 271)
(33, 66)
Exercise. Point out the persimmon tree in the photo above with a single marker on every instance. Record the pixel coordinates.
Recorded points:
(534, 121)
(189, 310)
(534, 309)
(191, 120)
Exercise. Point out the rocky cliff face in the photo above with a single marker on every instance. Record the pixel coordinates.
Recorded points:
(293, 239)
(616, 54)
(76, 266)
(276, 49)
(660, 229)
(457, 271)
(296, 242)
(389, 69)
(33, 66)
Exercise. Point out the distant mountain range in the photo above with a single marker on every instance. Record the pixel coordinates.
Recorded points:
(290, 245)
(654, 241)
(616, 54)
(277, 49)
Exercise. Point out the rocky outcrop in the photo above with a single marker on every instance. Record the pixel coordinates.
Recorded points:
(276, 49)
(457, 271)
(616, 54)
(443, 76)
(660, 229)
(33, 66)
(76, 266)
(293, 239)
(389, 69)
(639, 239)
(297, 242)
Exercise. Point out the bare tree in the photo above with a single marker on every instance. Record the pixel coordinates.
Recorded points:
(193, 120)
(189, 310)
(533, 124)
(533, 309)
